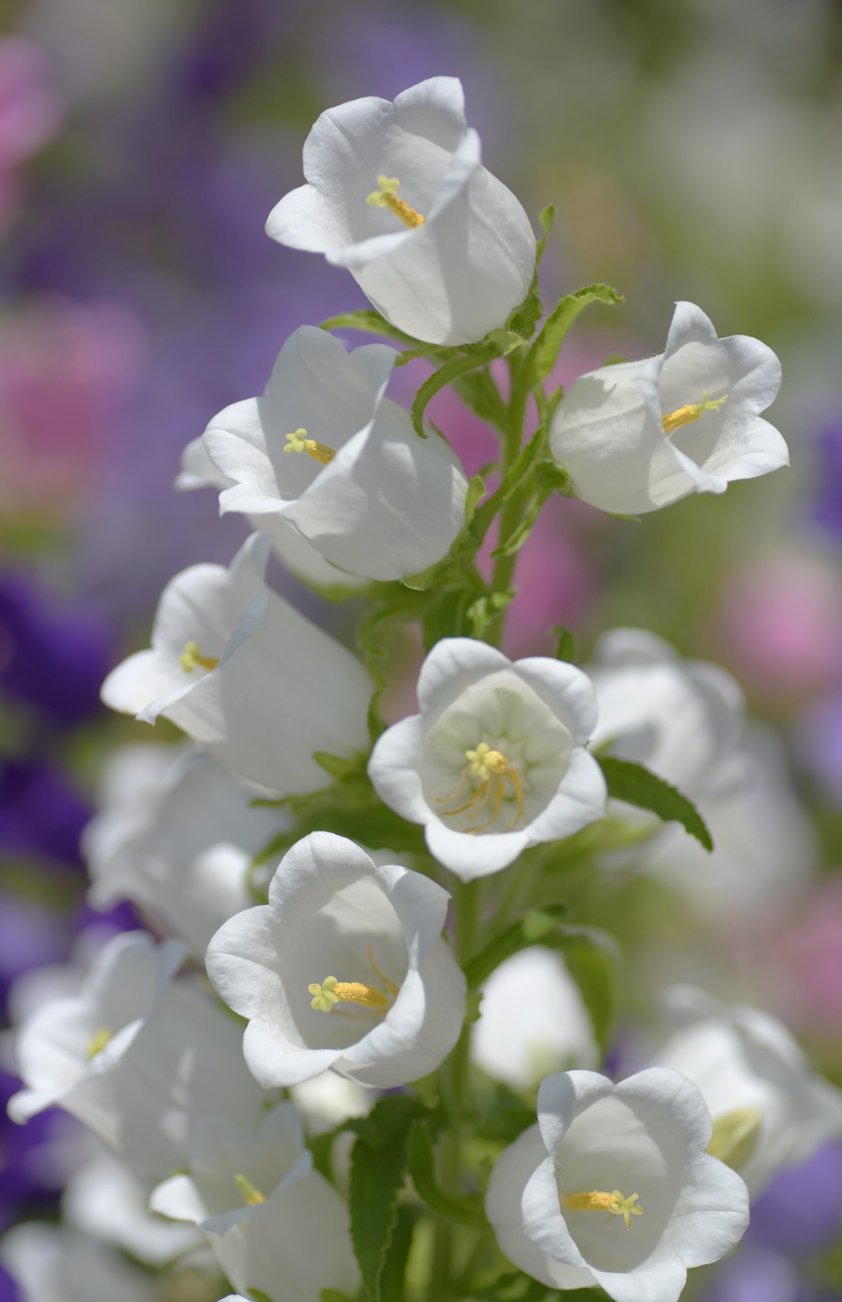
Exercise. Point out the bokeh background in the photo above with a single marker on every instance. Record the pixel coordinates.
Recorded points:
(693, 150)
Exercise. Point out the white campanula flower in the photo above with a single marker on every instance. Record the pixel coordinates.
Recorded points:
(324, 450)
(273, 1223)
(496, 760)
(640, 435)
(344, 968)
(296, 554)
(49, 1262)
(137, 1056)
(613, 1187)
(397, 193)
(241, 672)
(175, 834)
(755, 1080)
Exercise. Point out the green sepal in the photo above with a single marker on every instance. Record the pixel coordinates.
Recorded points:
(527, 314)
(616, 359)
(735, 1136)
(567, 647)
(457, 366)
(465, 1209)
(259, 1295)
(338, 767)
(485, 610)
(545, 350)
(637, 785)
(372, 323)
(379, 1163)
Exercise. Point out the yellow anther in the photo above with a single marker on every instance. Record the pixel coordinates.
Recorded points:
(493, 769)
(192, 657)
(98, 1041)
(299, 442)
(692, 411)
(332, 992)
(597, 1201)
(387, 197)
(251, 1195)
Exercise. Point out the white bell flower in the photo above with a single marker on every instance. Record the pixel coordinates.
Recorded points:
(520, 1039)
(496, 760)
(234, 666)
(613, 1187)
(292, 549)
(640, 435)
(138, 1057)
(324, 450)
(344, 968)
(273, 1223)
(104, 1198)
(176, 835)
(397, 193)
(751, 1074)
(51, 1262)
(683, 719)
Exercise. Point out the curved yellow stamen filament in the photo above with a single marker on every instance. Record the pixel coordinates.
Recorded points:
(599, 1201)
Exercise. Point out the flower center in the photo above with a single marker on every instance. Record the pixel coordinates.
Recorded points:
(251, 1195)
(493, 770)
(192, 658)
(613, 1202)
(692, 411)
(332, 991)
(299, 442)
(100, 1038)
(387, 197)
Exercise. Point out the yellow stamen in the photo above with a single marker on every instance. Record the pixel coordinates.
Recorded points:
(299, 442)
(484, 761)
(251, 1195)
(492, 768)
(692, 411)
(192, 658)
(98, 1041)
(597, 1201)
(390, 985)
(332, 992)
(387, 197)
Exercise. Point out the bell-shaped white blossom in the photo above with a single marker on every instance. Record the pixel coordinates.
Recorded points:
(397, 193)
(104, 1198)
(683, 719)
(613, 1187)
(639, 435)
(532, 1021)
(273, 1223)
(753, 1075)
(241, 672)
(175, 834)
(137, 1056)
(344, 968)
(51, 1262)
(293, 550)
(324, 450)
(496, 760)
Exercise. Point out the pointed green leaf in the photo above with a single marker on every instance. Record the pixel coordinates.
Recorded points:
(593, 960)
(462, 1208)
(545, 350)
(371, 322)
(459, 365)
(638, 786)
(567, 648)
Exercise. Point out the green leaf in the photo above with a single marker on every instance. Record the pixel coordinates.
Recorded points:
(592, 959)
(568, 645)
(371, 322)
(393, 1278)
(475, 493)
(452, 370)
(337, 767)
(485, 609)
(259, 1295)
(465, 1209)
(615, 360)
(478, 391)
(545, 350)
(379, 1161)
(636, 785)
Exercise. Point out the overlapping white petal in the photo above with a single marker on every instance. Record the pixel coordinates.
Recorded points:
(537, 714)
(647, 1137)
(742, 1059)
(626, 435)
(52, 1261)
(387, 504)
(261, 687)
(334, 912)
(448, 280)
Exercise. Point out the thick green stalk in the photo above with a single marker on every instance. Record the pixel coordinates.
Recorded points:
(512, 511)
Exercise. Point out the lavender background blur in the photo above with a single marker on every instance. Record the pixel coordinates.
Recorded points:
(692, 150)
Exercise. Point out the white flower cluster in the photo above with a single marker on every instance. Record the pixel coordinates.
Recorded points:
(336, 954)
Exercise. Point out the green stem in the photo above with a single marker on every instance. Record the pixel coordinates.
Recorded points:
(512, 511)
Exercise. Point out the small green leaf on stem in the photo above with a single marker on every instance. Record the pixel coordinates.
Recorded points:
(371, 322)
(568, 645)
(545, 350)
(638, 786)
(462, 1208)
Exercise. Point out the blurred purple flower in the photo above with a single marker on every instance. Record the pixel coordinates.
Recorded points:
(801, 1210)
(819, 741)
(31, 1173)
(757, 1275)
(52, 659)
(29, 115)
(30, 936)
(9, 1291)
(827, 480)
(41, 814)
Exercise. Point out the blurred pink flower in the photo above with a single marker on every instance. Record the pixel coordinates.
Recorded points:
(808, 952)
(64, 369)
(29, 114)
(781, 627)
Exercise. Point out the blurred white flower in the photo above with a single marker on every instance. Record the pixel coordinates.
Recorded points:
(344, 968)
(640, 435)
(241, 672)
(496, 760)
(613, 1187)
(273, 1223)
(745, 1062)
(396, 192)
(323, 449)
(49, 1262)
